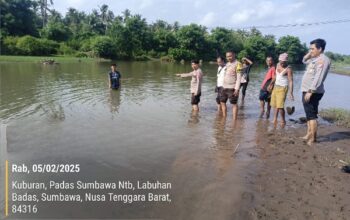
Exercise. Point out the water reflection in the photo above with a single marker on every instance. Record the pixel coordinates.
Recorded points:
(54, 112)
(194, 118)
(114, 100)
(64, 112)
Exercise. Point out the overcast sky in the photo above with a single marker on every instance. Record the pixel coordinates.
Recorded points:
(236, 14)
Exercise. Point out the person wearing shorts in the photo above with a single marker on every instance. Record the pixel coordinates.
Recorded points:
(311, 107)
(266, 88)
(195, 99)
(196, 83)
(231, 85)
(283, 82)
(312, 87)
(220, 79)
(228, 94)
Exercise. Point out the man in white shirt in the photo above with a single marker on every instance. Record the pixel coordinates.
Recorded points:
(220, 79)
(312, 86)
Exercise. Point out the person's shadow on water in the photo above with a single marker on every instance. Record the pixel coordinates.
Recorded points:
(114, 101)
(194, 118)
(334, 136)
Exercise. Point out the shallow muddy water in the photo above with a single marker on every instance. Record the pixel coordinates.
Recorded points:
(144, 132)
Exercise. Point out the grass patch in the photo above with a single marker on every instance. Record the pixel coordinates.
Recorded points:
(336, 115)
(340, 68)
(59, 59)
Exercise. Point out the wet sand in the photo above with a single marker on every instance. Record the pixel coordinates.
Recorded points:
(295, 181)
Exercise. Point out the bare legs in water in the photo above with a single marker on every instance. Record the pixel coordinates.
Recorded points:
(234, 110)
(262, 109)
(311, 133)
(283, 116)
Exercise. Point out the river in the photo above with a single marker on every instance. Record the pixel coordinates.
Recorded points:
(66, 113)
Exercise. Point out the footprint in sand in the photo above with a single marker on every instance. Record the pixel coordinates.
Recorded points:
(247, 196)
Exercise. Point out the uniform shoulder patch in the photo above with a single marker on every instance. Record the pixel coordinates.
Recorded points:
(239, 66)
(320, 63)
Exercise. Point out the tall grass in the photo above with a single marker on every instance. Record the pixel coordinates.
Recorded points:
(336, 115)
(340, 68)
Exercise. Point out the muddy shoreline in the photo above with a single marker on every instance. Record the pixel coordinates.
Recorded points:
(295, 181)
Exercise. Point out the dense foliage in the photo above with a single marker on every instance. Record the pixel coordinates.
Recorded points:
(338, 57)
(30, 27)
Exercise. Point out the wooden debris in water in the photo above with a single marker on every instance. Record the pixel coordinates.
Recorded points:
(236, 149)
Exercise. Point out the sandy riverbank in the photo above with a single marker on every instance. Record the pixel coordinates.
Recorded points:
(295, 181)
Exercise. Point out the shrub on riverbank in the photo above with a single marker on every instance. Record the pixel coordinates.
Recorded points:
(103, 46)
(340, 63)
(341, 68)
(336, 115)
(179, 54)
(59, 59)
(28, 45)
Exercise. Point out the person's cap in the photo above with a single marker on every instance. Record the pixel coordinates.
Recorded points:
(283, 57)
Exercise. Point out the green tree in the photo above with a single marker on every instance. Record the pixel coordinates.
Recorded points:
(163, 40)
(335, 56)
(95, 23)
(55, 16)
(44, 8)
(103, 46)
(18, 18)
(119, 35)
(163, 36)
(181, 53)
(140, 35)
(258, 47)
(56, 31)
(76, 21)
(132, 38)
(176, 26)
(128, 36)
(293, 47)
(126, 14)
(193, 39)
(106, 16)
(160, 25)
(225, 40)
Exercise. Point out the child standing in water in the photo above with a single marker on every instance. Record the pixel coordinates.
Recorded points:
(196, 83)
(114, 77)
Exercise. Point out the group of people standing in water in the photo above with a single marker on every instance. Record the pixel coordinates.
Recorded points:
(233, 76)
